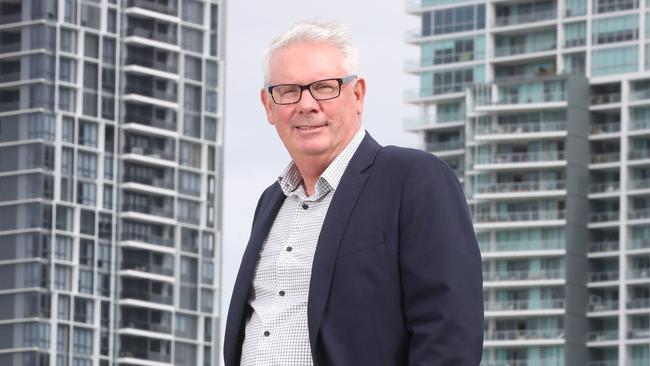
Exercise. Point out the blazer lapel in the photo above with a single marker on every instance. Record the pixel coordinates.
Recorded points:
(338, 214)
(234, 329)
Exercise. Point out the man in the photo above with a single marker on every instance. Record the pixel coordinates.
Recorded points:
(359, 254)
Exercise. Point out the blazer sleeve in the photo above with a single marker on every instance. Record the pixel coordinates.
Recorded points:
(440, 268)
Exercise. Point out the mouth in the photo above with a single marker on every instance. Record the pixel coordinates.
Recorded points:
(311, 127)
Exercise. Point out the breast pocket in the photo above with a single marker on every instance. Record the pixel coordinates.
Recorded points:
(367, 242)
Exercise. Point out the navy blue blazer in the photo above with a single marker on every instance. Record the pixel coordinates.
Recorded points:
(396, 277)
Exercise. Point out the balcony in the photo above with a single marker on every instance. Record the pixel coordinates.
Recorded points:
(165, 7)
(640, 125)
(416, 95)
(606, 157)
(437, 146)
(147, 296)
(603, 305)
(145, 325)
(639, 213)
(639, 303)
(557, 96)
(609, 127)
(158, 182)
(615, 37)
(521, 157)
(455, 57)
(604, 187)
(149, 238)
(524, 275)
(637, 154)
(514, 246)
(532, 17)
(151, 151)
(640, 94)
(638, 273)
(152, 34)
(529, 334)
(602, 335)
(607, 98)
(150, 120)
(151, 92)
(167, 212)
(539, 304)
(511, 128)
(141, 266)
(603, 276)
(522, 49)
(640, 333)
(638, 243)
(526, 186)
(151, 62)
(536, 215)
(603, 246)
(606, 6)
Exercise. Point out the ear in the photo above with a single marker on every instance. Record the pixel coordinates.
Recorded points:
(267, 102)
(359, 94)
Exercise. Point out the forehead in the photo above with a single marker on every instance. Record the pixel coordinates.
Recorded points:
(306, 62)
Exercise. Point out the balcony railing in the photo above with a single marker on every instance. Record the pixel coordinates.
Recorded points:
(607, 157)
(146, 325)
(524, 275)
(151, 92)
(609, 127)
(639, 303)
(540, 16)
(603, 276)
(151, 63)
(415, 94)
(508, 335)
(523, 157)
(616, 5)
(166, 154)
(147, 267)
(636, 154)
(605, 216)
(640, 125)
(639, 213)
(149, 238)
(615, 36)
(149, 209)
(640, 333)
(149, 120)
(638, 243)
(152, 34)
(529, 186)
(445, 145)
(607, 98)
(602, 335)
(145, 355)
(603, 246)
(604, 187)
(455, 57)
(638, 273)
(575, 42)
(603, 305)
(152, 181)
(640, 94)
(539, 215)
(557, 96)
(141, 295)
(169, 8)
(505, 246)
(532, 127)
(539, 304)
(521, 49)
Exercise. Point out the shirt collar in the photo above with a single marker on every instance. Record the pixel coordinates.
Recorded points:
(290, 178)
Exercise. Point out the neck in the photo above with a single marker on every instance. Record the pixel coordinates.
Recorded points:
(311, 168)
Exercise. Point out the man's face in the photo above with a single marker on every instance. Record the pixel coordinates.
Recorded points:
(310, 128)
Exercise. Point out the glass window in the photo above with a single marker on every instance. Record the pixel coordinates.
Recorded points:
(70, 11)
(67, 70)
(211, 101)
(207, 272)
(68, 40)
(614, 61)
(111, 21)
(87, 222)
(87, 165)
(62, 277)
(63, 248)
(88, 133)
(64, 307)
(190, 154)
(192, 40)
(211, 74)
(90, 16)
(210, 129)
(192, 98)
(193, 68)
(207, 300)
(86, 193)
(67, 129)
(91, 46)
(83, 341)
(109, 51)
(66, 99)
(108, 196)
(192, 11)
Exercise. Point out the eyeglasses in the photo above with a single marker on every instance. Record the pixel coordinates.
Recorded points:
(320, 90)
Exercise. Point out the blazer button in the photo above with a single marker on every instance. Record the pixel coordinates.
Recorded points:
(305, 206)
(281, 293)
(289, 249)
(267, 333)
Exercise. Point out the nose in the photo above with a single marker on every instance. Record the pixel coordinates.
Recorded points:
(307, 102)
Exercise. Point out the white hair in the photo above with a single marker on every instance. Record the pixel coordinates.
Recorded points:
(318, 31)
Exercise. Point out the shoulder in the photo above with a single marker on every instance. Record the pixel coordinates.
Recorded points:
(412, 161)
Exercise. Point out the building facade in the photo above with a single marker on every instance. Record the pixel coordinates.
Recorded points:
(542, 107)
(111, 126)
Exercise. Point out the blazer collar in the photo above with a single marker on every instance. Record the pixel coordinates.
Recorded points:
(334, 225)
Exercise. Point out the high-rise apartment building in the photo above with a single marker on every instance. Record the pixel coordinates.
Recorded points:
(111, 125)
(542, 107)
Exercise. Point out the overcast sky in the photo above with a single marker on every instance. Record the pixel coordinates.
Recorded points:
(254, 155)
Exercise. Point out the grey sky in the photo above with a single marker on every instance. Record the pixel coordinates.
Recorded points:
(254, 155)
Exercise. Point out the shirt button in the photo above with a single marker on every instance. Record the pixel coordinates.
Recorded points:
(289, 249)
(305, 206)
(282, 293)
(267, 333)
